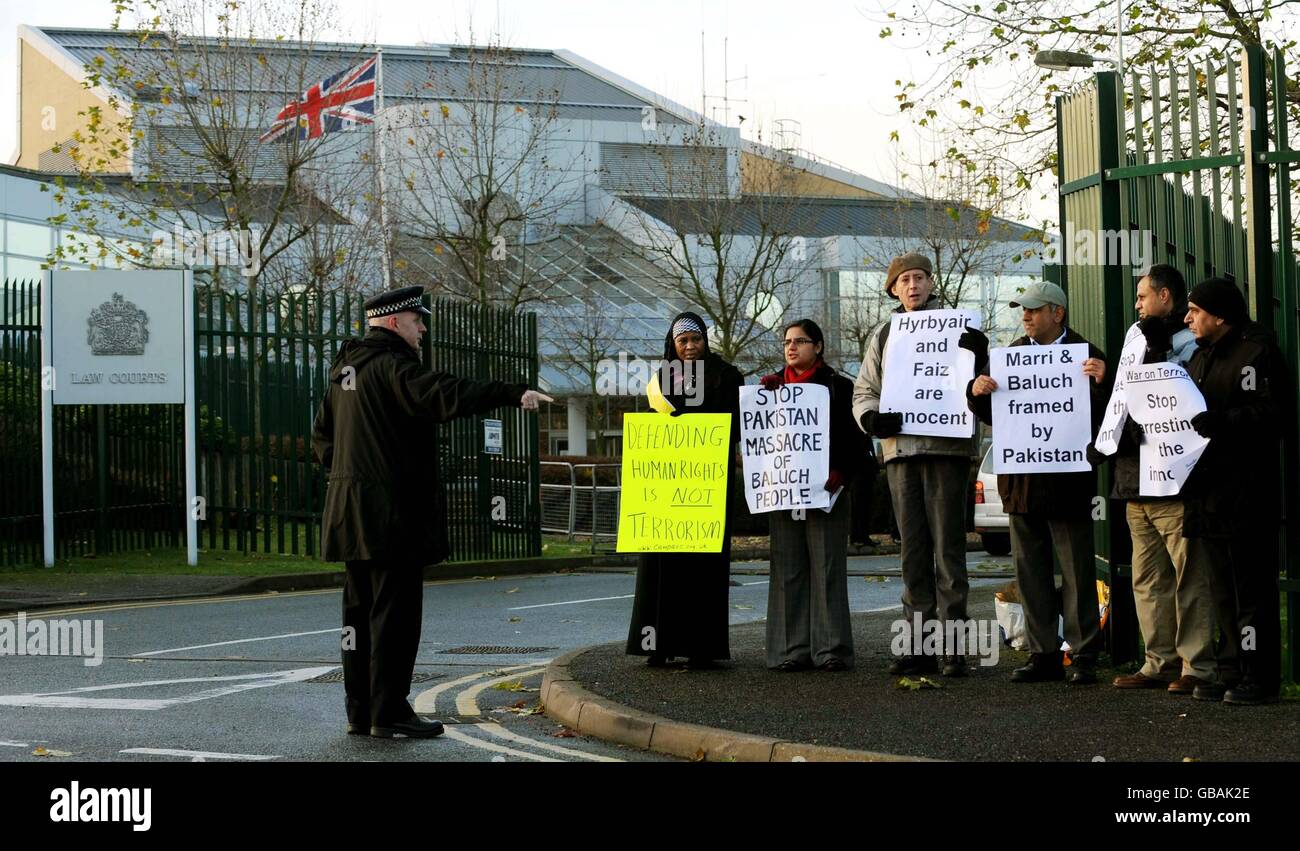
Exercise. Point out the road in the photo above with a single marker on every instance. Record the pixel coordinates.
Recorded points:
(235, 678)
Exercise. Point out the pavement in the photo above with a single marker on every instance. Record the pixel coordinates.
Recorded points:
(744, 712)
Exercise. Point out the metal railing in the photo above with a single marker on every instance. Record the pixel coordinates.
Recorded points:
(582, 506)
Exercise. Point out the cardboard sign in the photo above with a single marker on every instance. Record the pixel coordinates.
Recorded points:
(925, 373)
(1112, 424)
(674, 489)
(785, 444)
(1163, 398)
(1042, 418)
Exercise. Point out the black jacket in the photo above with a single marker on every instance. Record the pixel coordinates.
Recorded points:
(374, 434)
(1058, 496)
(1235, 485)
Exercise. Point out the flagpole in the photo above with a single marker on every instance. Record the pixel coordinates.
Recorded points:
(384, 258)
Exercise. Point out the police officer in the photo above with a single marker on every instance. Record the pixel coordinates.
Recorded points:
(385, 514)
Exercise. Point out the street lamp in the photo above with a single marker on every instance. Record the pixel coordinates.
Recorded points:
(1064, 60)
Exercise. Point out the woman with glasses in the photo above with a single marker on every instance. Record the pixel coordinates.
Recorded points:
(808, 592)
(682, 598)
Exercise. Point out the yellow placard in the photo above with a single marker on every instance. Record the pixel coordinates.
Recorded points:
(674, 490)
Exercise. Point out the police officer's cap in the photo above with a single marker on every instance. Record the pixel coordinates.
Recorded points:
(396, 301)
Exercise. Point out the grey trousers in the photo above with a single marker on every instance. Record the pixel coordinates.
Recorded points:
(1032, 540)
(929, 495)
(808, 591)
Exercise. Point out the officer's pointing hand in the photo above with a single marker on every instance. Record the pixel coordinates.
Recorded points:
(531, 398)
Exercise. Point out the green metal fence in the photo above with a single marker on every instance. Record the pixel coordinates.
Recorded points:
(262, 364)
(1196, 160)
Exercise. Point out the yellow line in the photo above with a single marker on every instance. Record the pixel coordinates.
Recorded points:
(467, 700)
(426, 702)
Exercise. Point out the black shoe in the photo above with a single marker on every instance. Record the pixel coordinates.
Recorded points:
(954, 666)
(1080, 675)
(355, 729)
(791, 665)
(907, 665)
(414, 727)
(656, 661)
(1210, 691)
(1041, 668)
(1247, 693)
(833, 664)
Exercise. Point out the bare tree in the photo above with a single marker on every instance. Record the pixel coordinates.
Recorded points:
(192, 97)
(738, 257)
(479, 177)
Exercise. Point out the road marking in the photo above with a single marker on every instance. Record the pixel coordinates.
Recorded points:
(467, 700)
(15, 745)
(240, 682)
(426, 702)
(881, 609)
(497, 729)
(236, 641)
(203, 755)
(571, 602)
(747, 584)
(475, 741)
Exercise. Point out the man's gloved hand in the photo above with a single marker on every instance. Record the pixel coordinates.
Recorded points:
(1134, 431)
(881, 424)
(1095, 456)
(976, 341)
(1156, 330)
(771, 382)
(1208, 424)
(835, 482)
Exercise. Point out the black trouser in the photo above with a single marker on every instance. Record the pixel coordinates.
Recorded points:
(1243, 573)
(382, 605)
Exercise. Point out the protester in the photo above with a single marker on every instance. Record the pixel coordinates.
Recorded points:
(1232, 497)
(1175, 610)
(681, 602)
(1050, 512)
(385, 515)
(808, 595)
(928, 480)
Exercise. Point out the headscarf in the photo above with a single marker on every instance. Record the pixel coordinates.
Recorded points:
(682, 323)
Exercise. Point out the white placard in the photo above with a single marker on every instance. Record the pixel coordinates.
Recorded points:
(1163, 398)
(785, 444)
(118, 337)
(1135, 348)
(925, 372)
(1042, 417)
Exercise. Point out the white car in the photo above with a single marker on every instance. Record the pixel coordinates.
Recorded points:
(991, 522)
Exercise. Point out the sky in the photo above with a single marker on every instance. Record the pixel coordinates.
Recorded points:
(818, 62)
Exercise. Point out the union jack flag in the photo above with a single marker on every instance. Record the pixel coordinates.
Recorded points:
(342, 101)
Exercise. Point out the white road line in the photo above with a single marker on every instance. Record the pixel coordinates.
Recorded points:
(571, 602)
(246, 757)
(236, 641)
(499, 730)
(426, 702)
(14, 745)
(467, 700)
(881, 609)
(474, 741)
(747, 584)
(241, 682)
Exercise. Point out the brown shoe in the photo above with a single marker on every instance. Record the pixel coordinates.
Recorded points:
(1138, 680)
(1186, 684)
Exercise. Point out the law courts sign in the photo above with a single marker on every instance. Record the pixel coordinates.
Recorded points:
(117, 338)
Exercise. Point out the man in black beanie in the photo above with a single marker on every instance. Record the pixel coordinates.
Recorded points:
(1231, 499)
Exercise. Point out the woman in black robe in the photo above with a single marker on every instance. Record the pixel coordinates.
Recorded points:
(681, 601)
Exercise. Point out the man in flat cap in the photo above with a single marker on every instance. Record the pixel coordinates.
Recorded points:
(1050, 511)
(385, 514)
(1232, 497)
(928, 479)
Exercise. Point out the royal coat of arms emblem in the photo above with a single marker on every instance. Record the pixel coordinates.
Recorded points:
(117, 327)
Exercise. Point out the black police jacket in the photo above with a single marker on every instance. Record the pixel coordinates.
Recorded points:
(374, 434)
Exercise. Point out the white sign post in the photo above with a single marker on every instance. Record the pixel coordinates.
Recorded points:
(118, 338)
(785, 444)
(1163, 399)
(1042, 417)
(925, 372)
